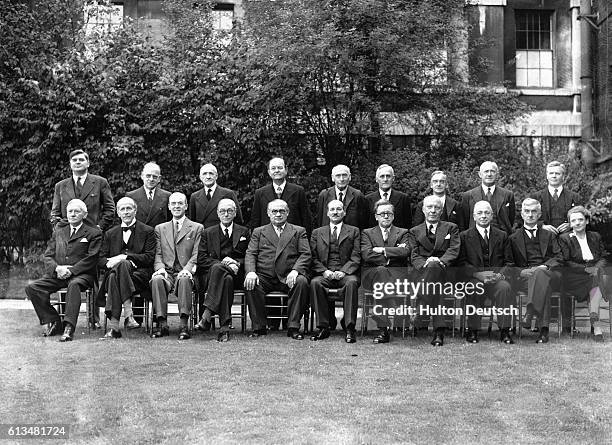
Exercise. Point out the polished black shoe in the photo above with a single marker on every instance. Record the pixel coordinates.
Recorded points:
(68, 334)
(52, 329)
(184, 334)
(506, 338)
(160, 332)
(203, 326)
(543, 338)
(438, 339)
(295, 334)
(321, 334)
(382, 337)
(223, 337)
(472, 336)
(350, 336)
(258, 333)
(110, 334)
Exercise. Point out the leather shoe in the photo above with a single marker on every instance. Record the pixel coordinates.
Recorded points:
(350, 336)
(95, 325)
(111, 333)
(506, 337)
(258, 333)
(68, 334)
(223, 337)
(321, 334)
(472, 336)
(382, 337)
(543, 338)
(160, 332)
(295, 334)
(438, 339)
(598, 338)
(203, 326)
(130, 323)
(52, 328)
(184, 334)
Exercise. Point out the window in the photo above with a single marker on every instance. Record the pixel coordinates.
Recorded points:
(534, 55)
(223, 17)
(102, 17)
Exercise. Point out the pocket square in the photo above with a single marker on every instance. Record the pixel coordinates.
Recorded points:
(401, 245)
(447, 236)
(242, 238)
(83, 240)
(507, 204)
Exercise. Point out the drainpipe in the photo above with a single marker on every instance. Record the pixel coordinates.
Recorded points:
(586, 83)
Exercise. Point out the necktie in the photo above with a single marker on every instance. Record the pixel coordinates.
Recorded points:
(486, 236)
(555, 195)
(208, 194)
(340, 197)
(385, 235)
(279, 192)
(177, 230)
(386, 196)
(531, 233)
(150, 195)
(79, 187)
(127, 229)
(279, 231)
(226, 233)
(72, 232)
(335, 232)
(489, 194)
(431, 230)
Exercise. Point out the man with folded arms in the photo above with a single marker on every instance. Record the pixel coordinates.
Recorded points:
(482, 259)
(127, 260)
(434, 249)
(385, 253)
(277, 259)
(532, 255)
(335, 254)
(176, 255)
(221, 260)
(70, 262)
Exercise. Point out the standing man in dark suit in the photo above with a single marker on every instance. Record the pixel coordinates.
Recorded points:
(403, 210)
(277, 259)
(176, 255)
(221, 260)
(450, 207)
(70, 262)
(533, 255)
(335, 254)
(203, 203)
(151, 199)
(354, 202)
(501, 200)
(385, 253)
(482, 259)
(434, 248)
(127, 261)
(93, 190)
(293, 194)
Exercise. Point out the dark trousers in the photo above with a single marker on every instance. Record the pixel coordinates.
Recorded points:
(297, 304)
(434, 273)
(501, 296)
(347, 286)
(119, 285)
(539, 289)
(40, 290)
(220, 292)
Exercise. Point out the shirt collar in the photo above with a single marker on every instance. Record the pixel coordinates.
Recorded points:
(388, 192)
(341, 191)
(531, 228)
(339, 226)
(75, 177)
(180, 221)
(131, 225)
(230, 228)
(482, 229)
(77, 228)
(484, 188)
(435, 225)
(212, 189)
(282, 186)
(277, 229)
(551, 189)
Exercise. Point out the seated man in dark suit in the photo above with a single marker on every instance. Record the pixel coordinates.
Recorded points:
(176, 254)
(482, 259)
(532, 255)
(450, 207)
(70, 262)
(277, 259)
(335, 254)
(93, 190)
(127, 261)
(501, 200)
(385, 253)
(203, 203)
(221, 260)
(151, 199)
(434, 248)
(403, 210)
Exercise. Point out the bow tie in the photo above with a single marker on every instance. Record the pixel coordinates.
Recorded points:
(127, 229)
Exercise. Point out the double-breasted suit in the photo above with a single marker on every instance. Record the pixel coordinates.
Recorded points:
(95, 193)
(346, 259)
(204, 211)
(273, 258)
(151, 212)
(450, 212)
(295, 197)
(566, 200)
(401, 204)
(355, 207)
(79, 251)
(502, 203)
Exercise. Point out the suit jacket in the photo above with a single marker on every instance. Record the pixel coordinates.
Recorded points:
(397, 248)
(97, 196)
(209, 251)
(273, 257)
(516, 253)
(355, 206)
(446, 246)
(572, 253)
(450, 213)
(471, 259)
(142, 251)
(205, 212)
(153, 213)
(502, 203)
(567, 198)
(401, 203)
(293, 194)
(185, 247)
(80, 251)
(348, 247)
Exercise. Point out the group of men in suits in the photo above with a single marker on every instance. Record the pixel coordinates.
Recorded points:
(157, 249)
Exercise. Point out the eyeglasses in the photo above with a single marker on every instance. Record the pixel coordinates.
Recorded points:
(229, 211)
(278, 211)
(385, 214)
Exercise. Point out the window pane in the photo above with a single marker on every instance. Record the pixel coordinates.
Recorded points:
(533, 59)
(546, 59)
(521, 59)
(533, 78)
(546, 78)
(521, 77)
(521, 40)
(545, 40)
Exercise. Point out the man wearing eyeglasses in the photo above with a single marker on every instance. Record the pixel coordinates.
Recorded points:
(277, 259)
(385, 253)
(434, 246)
(221, 262)
(151, 199)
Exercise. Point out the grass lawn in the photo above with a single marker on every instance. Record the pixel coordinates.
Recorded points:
(277, 390)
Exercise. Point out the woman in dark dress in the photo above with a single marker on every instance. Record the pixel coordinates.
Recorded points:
(585, 261)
